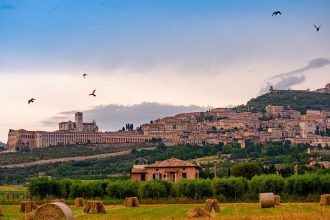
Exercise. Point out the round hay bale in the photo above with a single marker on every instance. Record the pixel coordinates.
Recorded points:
(79, 202)
(277, 199)
(325, 199)
(266, 200)
(53, 211)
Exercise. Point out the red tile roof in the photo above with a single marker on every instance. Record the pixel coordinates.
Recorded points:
(173, 162)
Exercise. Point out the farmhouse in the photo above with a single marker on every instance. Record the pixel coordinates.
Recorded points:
(170, 170)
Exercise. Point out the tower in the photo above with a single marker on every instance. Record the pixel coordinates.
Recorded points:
(79, 121)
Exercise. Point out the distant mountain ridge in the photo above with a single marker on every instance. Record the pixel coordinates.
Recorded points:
(2, 144)
(291, 99)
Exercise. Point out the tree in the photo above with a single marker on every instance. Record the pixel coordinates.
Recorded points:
(247, 170)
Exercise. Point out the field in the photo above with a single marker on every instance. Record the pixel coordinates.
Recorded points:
(13, 188)
(229, 211)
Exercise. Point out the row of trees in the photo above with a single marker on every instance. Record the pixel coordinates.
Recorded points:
(233, 188)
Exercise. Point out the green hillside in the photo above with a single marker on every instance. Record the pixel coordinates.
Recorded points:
(297, 100)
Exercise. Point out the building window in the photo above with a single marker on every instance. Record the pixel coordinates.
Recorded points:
(157, 176)
(184, 175)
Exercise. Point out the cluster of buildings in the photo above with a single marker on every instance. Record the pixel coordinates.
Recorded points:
(229, 126)
(217, 125)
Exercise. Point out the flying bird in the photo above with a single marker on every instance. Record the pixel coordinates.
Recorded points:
(31, 100)
(317, 27)
(93, 93)
(84, 75)
(276, 13)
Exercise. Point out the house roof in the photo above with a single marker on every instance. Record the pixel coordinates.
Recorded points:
(173, 162)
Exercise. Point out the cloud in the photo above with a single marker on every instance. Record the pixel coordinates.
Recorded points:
(295, 77)
(114, 117)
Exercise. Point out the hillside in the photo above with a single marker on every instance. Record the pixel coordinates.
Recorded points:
(297, 100)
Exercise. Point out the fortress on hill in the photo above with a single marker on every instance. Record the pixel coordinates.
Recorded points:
(326, 89)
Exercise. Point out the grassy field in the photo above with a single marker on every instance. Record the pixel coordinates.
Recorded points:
(13, 188)
(229, 211)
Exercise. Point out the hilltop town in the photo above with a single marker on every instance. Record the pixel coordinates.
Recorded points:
(218, 125)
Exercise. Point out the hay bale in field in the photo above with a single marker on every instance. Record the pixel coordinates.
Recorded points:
(94, 207)
(22, 207)
(212, 204)
(131, 202)
(28, 206)
(197, 212)
(325, 199)
(267, 200)
(87, 207)
(277, 199)
(100, 207)
(79, 202)
(1, 213)
(28, 216)
(136, 201)
(53, 211)
(58, 200)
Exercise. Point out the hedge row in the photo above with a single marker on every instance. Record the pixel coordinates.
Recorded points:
(230, 188)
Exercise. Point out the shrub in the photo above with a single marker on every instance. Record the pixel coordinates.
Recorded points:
(267, 183)
(232, 187)
(194, 189)
(43, 187)
(79, 189)
(155, 189)
(122, 189)
(302, 185)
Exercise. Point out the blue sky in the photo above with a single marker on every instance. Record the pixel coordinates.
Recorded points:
(179, 52)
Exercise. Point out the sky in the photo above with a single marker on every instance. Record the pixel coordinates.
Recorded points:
(152, 57)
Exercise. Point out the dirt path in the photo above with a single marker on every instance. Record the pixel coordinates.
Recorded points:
(67, 159)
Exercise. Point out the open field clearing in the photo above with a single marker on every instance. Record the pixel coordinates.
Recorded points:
(229, 211)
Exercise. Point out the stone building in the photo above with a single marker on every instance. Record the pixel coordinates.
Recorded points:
(170, 170)
(70, 132)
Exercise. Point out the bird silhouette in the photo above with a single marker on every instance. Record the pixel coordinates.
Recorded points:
(317, 27)
(276, 13)
(84, 75)
(93, 93)
(31, 100)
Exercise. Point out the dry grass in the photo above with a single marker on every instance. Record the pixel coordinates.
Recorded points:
(229, 211)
